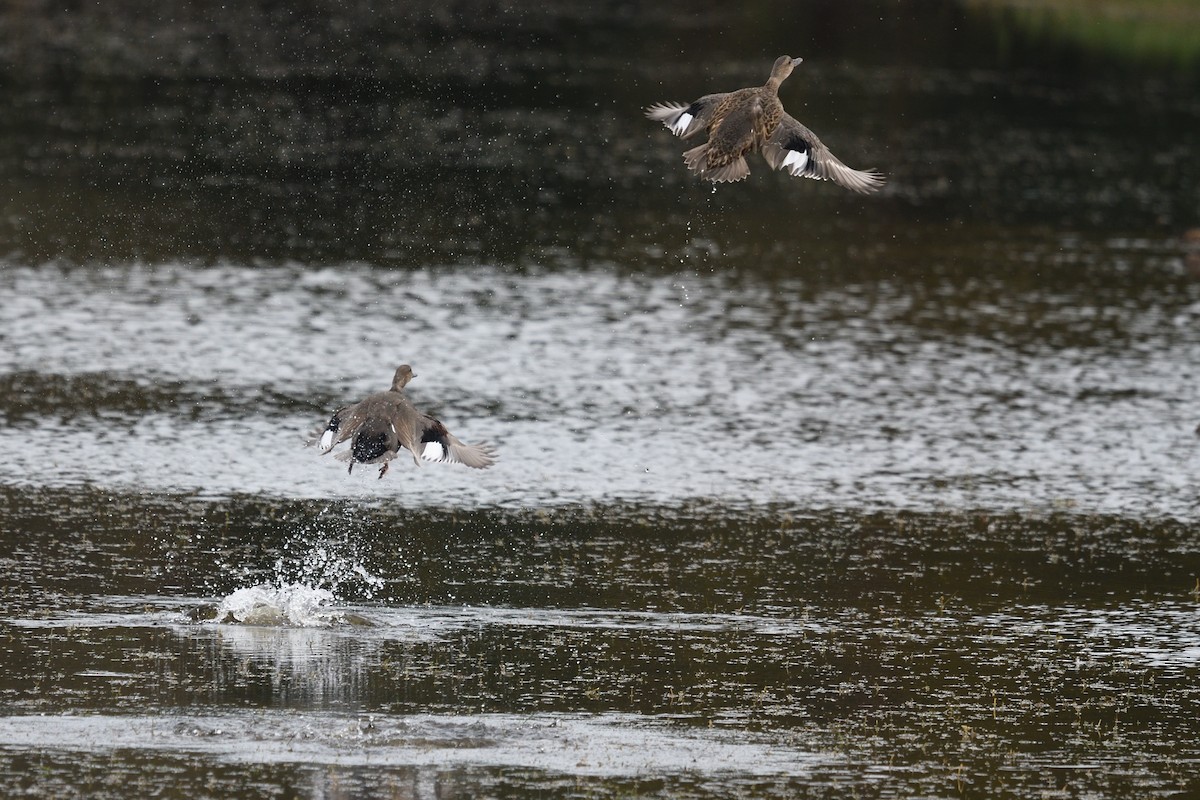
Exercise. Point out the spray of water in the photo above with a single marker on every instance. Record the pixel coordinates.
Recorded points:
(320, 566)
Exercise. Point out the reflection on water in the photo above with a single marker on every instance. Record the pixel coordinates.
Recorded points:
(612, 745)
(825, 700)
(712, 650)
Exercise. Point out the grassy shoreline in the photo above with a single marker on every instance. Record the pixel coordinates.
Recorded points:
(1138, 30)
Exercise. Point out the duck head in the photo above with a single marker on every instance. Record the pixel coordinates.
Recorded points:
(783, 67)
(404, 374)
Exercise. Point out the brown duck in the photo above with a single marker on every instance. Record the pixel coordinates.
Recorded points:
(741, 122)
(379, 425)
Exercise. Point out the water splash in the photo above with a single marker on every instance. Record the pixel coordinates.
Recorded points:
(289, 604)
(321, 563)
(327, 564)
(326, 550)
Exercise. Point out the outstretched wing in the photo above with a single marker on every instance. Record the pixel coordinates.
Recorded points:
(685, 120)
(796, 149)
(325, 438)
(479, 456)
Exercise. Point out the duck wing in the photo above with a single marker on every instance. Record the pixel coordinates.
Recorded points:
(479, 456)
(686, 120)
(795, 148)
(325, 438)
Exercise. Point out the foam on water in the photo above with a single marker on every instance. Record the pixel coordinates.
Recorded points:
(321, 563)
(289, 604)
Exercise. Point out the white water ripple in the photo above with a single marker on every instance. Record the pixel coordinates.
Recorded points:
(597, 386)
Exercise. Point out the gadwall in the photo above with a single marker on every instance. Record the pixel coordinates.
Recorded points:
(381, 424)
(753, 119)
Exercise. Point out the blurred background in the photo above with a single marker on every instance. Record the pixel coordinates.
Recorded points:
(405, 134)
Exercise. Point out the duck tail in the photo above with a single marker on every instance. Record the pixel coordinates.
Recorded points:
(697, 158)
(697, 161)
(728, 173)
(732, 170)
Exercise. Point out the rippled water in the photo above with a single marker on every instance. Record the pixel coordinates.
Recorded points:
(605, 387)
(321, 647)
(800, 493)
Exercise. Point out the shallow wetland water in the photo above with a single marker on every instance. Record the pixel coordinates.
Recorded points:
(801, 494)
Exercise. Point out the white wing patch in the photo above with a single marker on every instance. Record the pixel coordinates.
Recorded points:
(795, 162)
(326, 441)
(433, 451)
(681, 124)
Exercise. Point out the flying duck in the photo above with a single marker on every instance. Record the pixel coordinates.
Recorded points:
(379, 425)
(741, 122)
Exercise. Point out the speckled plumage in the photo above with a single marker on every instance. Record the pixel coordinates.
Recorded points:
(753, 120)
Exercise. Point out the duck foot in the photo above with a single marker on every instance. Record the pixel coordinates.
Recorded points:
(383, 469)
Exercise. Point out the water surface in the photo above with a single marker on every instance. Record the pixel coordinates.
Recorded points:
(801, 493)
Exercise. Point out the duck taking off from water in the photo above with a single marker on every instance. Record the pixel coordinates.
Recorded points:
(741, 122)
(379, 425)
